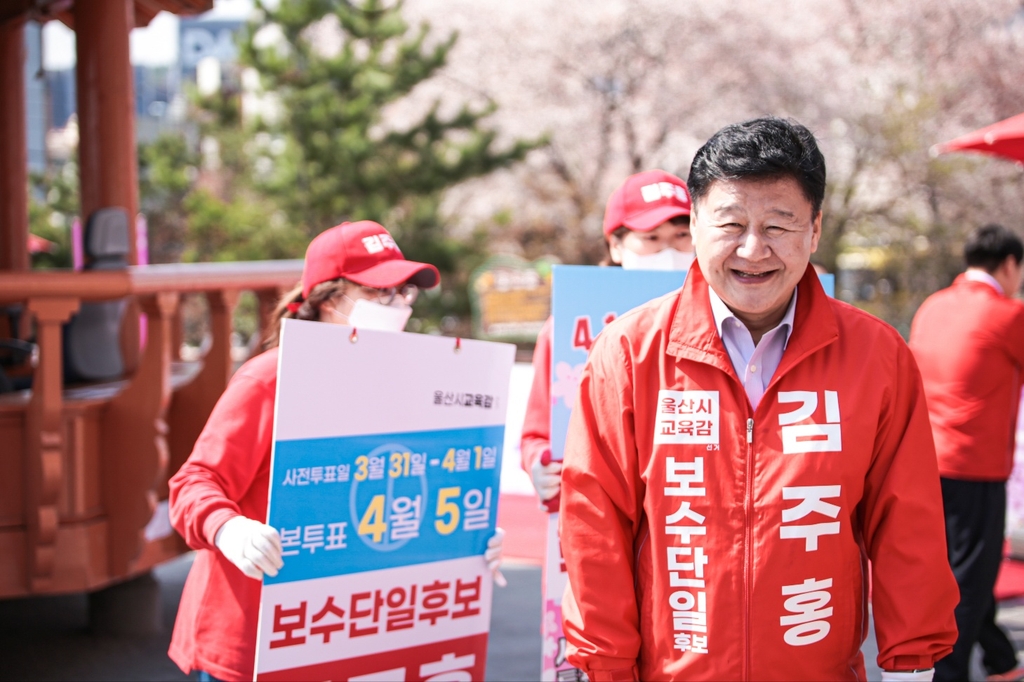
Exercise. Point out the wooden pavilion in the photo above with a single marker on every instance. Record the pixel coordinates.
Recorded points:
(84, 469)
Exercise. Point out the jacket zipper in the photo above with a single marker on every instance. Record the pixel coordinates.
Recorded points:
(748, 567)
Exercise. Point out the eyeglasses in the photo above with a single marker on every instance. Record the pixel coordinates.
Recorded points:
(405, 294)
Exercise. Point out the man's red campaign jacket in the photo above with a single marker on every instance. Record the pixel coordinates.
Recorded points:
(969, 343)
(708, 540)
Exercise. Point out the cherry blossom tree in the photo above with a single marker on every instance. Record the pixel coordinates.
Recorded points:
(622, 85)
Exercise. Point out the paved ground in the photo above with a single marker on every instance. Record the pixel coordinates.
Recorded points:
(48, 638)
(1011, 617)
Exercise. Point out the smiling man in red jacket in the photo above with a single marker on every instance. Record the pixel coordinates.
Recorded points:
(969, 343)
(740, 449)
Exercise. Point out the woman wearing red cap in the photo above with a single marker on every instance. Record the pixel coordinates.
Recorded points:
(353, 274)
(646, 227)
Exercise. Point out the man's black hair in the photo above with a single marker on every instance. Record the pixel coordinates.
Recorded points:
(990, 245)
(760, 149)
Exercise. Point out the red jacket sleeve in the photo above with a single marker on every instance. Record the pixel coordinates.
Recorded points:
(601, 510)
(537, 424)
(225, 461)
(1015, 339)
(904, 532)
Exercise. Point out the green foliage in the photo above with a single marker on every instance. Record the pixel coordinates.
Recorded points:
(167, 175)
(445, 309)
(53, 205)
(344, 160)
(243, 229)
(219, 213)
(344, 165)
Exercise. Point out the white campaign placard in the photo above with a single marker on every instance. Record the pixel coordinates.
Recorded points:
(384, 488)
(349, 375)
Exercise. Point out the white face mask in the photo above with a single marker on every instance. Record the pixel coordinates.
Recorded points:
(666, 259)
(372, 315)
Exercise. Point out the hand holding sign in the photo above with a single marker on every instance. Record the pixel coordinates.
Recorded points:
(492, 556)
(547, 479)
(254, 547)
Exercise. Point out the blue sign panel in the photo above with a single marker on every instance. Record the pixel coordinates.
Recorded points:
(585, 300)
(363, 503)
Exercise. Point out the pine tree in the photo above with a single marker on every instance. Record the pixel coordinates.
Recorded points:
(339, 164)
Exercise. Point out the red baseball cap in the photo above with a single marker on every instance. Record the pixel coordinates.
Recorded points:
(364, 253)
(646, 200)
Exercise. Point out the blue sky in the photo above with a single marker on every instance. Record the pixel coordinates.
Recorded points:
(155, 45)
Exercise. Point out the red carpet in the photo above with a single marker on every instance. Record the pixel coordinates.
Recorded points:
(526, 527)
(1010, 583)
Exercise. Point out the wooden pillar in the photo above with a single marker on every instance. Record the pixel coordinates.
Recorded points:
(192, 404)
(108, 165)
(108, 162)
(13, 149)
(44, 441)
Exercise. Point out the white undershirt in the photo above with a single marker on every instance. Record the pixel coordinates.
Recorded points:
(982, 276)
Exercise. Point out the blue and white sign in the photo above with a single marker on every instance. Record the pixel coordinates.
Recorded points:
(384, 488)
(585, 299)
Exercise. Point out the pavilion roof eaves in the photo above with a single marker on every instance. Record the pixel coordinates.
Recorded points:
(63, 10)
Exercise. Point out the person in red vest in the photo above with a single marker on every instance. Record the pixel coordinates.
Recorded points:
(353, 274)
(744, 451)
(969, 343)
(646, 227)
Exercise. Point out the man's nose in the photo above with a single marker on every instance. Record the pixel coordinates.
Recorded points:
(753, 246)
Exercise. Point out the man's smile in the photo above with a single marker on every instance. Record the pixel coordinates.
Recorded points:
(751, 276)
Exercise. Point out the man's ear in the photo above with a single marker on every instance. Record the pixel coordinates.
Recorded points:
(815, 231)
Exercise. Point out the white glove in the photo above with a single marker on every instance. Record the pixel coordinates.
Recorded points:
(254, 547)
(547, 479)
(493, 556)
(908, 675)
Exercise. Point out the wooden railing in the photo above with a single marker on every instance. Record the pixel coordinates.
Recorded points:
(82, 470)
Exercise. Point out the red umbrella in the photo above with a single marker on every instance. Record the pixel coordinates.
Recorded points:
(1005, 138)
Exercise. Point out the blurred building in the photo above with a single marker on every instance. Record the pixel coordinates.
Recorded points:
(200, 38)
(154, 91)
(60, 90)
(35, 98)
(160, 91)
